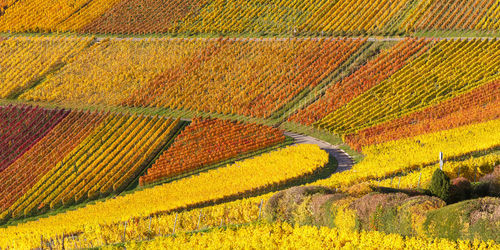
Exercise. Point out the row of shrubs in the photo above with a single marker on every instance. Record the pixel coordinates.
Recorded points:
(460, 189)
(454, 209)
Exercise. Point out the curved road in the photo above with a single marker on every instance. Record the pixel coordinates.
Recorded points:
(344, 160)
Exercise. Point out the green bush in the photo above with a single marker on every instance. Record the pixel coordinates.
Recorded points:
(460, 190)
(372, 210)
(493, 181)
(406, 217)
(470, 219)
(440, 185)
(480, 189)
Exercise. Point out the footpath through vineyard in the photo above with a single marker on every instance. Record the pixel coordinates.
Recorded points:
(344, 161)
(260, 39)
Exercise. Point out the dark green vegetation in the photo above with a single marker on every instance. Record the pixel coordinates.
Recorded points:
(440, 185)
(477, 218)
(472, 211)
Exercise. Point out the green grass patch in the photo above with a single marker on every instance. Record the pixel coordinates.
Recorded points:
(183, 114)
(470, 219)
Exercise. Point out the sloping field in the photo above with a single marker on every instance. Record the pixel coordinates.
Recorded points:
(275, 17)
(169, 124)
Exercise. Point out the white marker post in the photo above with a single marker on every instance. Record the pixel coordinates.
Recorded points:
(441, 160)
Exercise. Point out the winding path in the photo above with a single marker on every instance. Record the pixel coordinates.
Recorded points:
(273, 39)
(344, 160)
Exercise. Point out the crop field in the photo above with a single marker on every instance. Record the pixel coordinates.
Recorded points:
(274, 17)
(246, 124)
(244, 77)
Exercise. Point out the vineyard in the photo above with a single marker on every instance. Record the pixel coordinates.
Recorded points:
(247, 175)
(275, 17)
(409, 89)
(169, 124)
(244, 77)
(206, 142)
(286, 235)
(25, 60)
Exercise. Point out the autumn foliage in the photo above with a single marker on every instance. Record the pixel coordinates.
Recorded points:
(208, 141)
(372, 73)
(30, 167)
(478, 105)
(21, 127)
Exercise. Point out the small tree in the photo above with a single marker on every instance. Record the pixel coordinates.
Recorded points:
(440, 185)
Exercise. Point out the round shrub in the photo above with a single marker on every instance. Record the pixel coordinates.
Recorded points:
(440, 185)
(373, 210)
(413, 212)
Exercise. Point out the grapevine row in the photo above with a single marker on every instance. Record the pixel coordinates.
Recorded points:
(292, 17)
(437, 75)
(479, 105)
(244, 176)
(206, 142)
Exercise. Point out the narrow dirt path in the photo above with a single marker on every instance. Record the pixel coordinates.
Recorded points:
(268, 39)
(344, 160)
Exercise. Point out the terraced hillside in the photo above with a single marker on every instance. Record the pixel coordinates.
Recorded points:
(153, 124)
(275, 17)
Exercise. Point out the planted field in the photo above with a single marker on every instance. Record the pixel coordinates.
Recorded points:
(143, 17)
(293, 17)
(21, 127)
(105, 162)
(162, 124)
(245, 176)
(490, 20)
(472, 169)
(206, 142)
(366, 77)
(398, 156)
(33, 16)
(284, 235)
(435, 76)
(241, 211)
(275, 17)
(452, 15)
(478, 105)
(20, 176)
(246, 77)
(87, 13)
(25, 60)
(109, 71)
